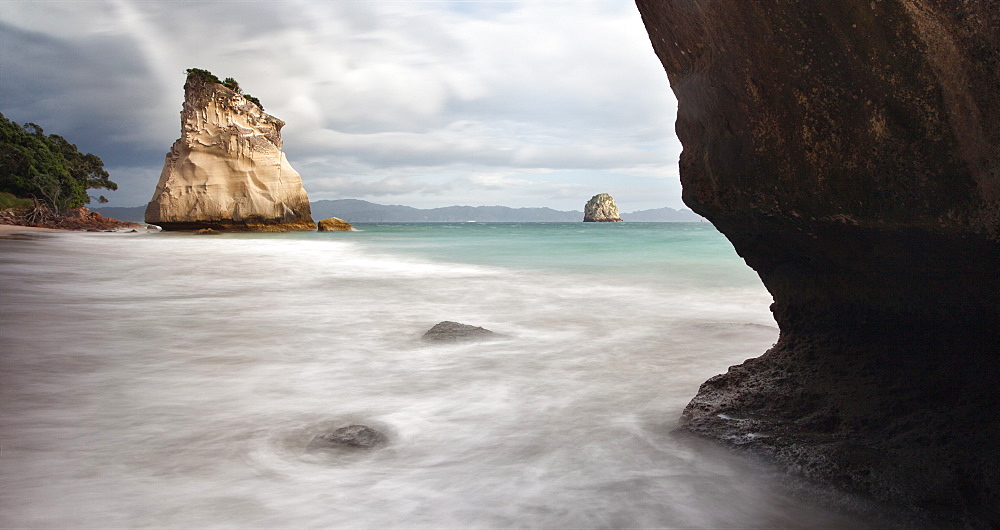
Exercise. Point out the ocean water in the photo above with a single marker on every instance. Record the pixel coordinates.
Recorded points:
(175, 380)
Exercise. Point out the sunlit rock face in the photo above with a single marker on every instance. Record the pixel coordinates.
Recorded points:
(334, 224)
(227, 171)
(850, 151)
(601, 208)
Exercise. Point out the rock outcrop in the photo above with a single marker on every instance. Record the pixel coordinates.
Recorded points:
(354, 436)
(448, 331)
(601, 208)
(334, 224)
(850, 151)
(227, 170)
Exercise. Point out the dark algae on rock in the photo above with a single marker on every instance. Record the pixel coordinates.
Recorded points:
(850, 151)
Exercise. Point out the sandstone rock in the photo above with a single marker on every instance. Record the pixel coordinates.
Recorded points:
(601, 208)
(333, 224)
(358, 436)
(227, 170)
(448, 331)
(850, 151)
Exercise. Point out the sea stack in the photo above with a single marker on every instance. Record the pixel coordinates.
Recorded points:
(601, 208)
(227, 171)
(849, 150)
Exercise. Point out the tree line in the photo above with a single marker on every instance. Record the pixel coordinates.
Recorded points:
(48, 168)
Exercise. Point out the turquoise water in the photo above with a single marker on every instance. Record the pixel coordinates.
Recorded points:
(176, 380)
(663, 252)
(632, 248)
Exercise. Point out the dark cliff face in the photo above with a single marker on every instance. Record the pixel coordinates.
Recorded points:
(850, 150)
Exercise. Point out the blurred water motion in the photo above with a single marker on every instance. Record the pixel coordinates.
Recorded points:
(169, 380)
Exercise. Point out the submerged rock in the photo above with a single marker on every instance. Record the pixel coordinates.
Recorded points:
(227, 170)
(849, 151)
(448, 331)
(601, 208)
(359, 436)
(334, 224)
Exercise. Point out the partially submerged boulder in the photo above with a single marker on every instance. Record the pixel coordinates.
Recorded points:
(357, 436)
(448, 331)
(334, 224)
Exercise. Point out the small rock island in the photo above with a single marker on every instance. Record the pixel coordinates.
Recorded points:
(227, 171)
(601, 208)
(334, 224)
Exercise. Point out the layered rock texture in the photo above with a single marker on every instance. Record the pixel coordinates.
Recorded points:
(601, 208)
(227, 170)
(850, 150)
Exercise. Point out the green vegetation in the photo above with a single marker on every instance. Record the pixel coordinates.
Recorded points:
(253, 100)
(47, 168)
(8, 200)
(229, 82)
(203, 75)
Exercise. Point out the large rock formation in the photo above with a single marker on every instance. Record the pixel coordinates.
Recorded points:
(227, 171)
(850, 149)
(601, 208)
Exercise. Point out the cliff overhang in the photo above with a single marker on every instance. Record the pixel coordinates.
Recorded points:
(850, 151)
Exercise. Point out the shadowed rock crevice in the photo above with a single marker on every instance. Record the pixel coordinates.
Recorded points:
(850, 151)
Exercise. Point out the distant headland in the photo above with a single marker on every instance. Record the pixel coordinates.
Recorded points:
(358, 211)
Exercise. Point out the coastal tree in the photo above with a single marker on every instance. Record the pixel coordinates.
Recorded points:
(47, 168)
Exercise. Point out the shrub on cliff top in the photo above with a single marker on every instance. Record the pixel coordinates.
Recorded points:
(229, 82)
(253, 100)
(203, 75)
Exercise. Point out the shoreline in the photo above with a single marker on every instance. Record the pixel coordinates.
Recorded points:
(10, 230)
(6, 230)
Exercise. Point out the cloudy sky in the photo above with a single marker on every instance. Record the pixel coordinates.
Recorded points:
(425, 103)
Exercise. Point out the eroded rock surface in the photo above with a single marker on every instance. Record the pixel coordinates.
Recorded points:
(227, 170)
(601, 208)
(850, 152)
(448, 331)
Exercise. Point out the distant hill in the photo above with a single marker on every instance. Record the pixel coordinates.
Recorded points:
(358, 211)
(662, 215)
(134, 214)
